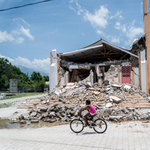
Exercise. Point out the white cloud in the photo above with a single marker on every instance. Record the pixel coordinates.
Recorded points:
(99, 18)
(71, 1)
(113, 39)
(117, 15)
(5, 37)
(15, 35)
(1, 56)
(26, 32)
(80, 10)
(22, 20)
(118, 26)
(37, 64)
(19, 40)
(99, 32)
(130, 31)
(70, 7)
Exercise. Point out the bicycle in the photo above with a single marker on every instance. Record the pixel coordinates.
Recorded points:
(99, 125)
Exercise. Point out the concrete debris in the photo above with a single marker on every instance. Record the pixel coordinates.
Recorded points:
(108, 105)
(113, 71)
(127, 87)
(115, 99)
(114, 102)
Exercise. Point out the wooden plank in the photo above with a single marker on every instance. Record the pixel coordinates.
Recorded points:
(112, 79)
(66, 58)
(118, 77)
(104, 49)
(133, 97)
(91, 78)
(133, 76)
(72, 78)
(106, 78)
(83, 54)
(113, 50)
(123, 56)
(140, 70)
(65, 79)
(109, 59)
(75, 56)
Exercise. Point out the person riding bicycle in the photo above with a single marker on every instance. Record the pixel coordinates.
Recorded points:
(92, 111)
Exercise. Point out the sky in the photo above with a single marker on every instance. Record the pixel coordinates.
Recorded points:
(29, 34)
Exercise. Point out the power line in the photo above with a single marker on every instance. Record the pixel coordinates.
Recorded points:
(25, 5)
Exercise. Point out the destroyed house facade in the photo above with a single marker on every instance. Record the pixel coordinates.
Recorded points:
(95, 63)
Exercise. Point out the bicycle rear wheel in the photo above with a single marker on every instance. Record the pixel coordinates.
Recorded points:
(76, 125)
(100, 126)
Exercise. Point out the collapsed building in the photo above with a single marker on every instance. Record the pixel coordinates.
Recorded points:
(97, 62)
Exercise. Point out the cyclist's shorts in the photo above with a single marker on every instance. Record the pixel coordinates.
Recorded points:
(92, 114)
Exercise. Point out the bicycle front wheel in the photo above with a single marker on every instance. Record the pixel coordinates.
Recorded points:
(100, 126)
(76, 125)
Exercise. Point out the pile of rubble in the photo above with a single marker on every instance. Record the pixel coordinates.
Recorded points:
(113, 71)
(63, 103)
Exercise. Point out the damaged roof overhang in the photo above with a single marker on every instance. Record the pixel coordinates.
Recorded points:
(99, 51)
(139, 41)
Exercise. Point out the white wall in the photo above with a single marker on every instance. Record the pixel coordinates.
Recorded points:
(143, 71)
(53, 71)
(136, 77)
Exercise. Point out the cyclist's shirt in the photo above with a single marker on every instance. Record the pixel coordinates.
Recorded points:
(92, 109)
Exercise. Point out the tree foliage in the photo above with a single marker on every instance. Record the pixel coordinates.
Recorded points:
(8, 71)
(36, 76)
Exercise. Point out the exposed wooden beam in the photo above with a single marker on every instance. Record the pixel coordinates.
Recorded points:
(104, 49)
(73, 74)
(66, 57)
(123, 56)
(84, 54)
(109, 59)
(93, 50)
(75, 56)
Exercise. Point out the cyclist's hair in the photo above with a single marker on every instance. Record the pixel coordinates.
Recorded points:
(88, 102)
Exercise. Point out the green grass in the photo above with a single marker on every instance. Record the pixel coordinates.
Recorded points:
(5, 105)
(17, 95)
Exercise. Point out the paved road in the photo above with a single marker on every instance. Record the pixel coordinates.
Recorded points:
(21, 98)
(124, 136)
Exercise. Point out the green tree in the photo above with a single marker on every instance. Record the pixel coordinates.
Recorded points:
(36, 76)
(46, 78)
(23, 80)
(41, 84)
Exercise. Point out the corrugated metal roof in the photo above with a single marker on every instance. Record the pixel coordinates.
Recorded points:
(95, 51)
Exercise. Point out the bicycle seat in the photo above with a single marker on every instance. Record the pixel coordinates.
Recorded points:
(91, 117)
